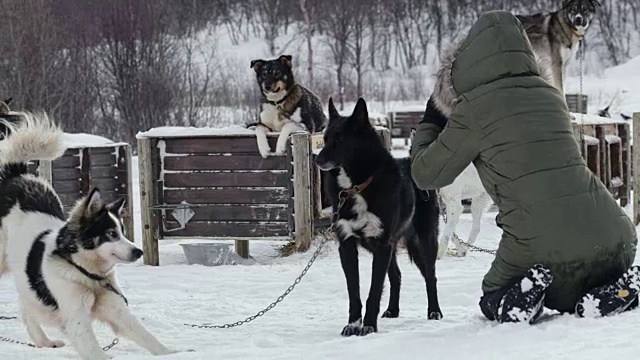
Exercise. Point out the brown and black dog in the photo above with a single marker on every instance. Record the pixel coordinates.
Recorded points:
(286, 106)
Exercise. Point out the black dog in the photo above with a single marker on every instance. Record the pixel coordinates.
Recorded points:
(381, 206)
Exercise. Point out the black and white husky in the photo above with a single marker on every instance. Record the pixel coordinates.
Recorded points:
(63, 269)
(382, 205)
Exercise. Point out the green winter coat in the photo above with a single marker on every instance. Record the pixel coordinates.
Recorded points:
(516, 130)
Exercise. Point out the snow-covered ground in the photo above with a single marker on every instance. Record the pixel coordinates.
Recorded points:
(308, 323)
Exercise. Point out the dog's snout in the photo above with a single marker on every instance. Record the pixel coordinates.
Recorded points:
(136, 253)
(578, 20)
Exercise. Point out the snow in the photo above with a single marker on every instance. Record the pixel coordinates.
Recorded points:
(409, 108)
(618, 86)
(307, 324)
(589, 119)
(591, 306)
(590, 140)
(179, 131)
(612, 139)
(376, 118)
(77, 140)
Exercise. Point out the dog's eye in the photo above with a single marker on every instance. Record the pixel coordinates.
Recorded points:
(113, 234)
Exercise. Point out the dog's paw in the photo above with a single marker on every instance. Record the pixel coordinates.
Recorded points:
(281, 149)
(352, 329)
(51, 344)
(366, 330)
(462, 252)
(434, 315)
(392, 314)
(265, 153)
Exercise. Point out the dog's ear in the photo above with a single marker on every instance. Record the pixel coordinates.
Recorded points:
(117, 206)
(256, 64)
(333, 112)
(8, 101)
(4, 108)
(286, 60)
(93, 202)
(360, 114)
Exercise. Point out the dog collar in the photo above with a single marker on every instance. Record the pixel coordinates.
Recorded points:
(103, 281)
(358, 188)
(278, 103)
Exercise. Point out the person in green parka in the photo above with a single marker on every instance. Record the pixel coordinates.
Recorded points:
(566, 243)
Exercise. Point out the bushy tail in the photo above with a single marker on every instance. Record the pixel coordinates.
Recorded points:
(35, 137)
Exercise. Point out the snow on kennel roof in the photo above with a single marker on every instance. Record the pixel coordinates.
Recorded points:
(590, 119)
(81, 140)
(180, 131)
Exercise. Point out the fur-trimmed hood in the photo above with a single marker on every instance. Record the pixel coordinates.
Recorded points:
(495, 47)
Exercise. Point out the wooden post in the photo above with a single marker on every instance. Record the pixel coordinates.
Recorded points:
(386, 136)
(45, 170)
(303, 217)
(85, 170)
(636, 168)
(150, 226)
(627, 167)
(242, 248)
(125, 153)
(604, 169)
(625, 191)
(317, 142)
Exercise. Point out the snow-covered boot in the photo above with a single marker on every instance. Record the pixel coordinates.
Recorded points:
(524, 301)
(612, 298)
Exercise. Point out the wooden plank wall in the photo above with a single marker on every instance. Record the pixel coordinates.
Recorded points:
(403, 121)
(607, 151)
(574, 104)
(81, 169)
(232, 189)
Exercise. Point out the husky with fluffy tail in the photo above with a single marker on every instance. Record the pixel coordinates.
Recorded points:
(64, 270)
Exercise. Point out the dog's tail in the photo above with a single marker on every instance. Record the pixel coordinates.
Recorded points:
(34, 137)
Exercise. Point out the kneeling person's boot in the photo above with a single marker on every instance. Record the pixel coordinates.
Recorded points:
(524, 301)
(612, 298)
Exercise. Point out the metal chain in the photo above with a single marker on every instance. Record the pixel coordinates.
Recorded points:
(472, 247)
(325, 238)
(115, 342)
(12, 341)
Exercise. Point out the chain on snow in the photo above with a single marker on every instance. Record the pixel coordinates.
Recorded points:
(326, 236)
